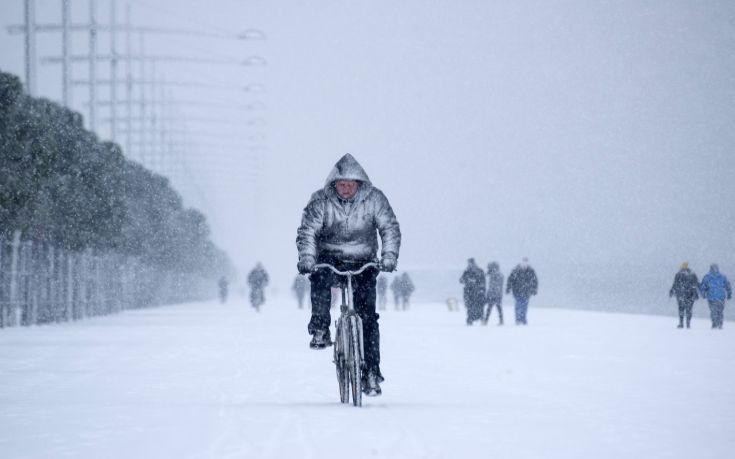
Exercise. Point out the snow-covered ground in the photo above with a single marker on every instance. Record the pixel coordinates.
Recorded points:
(205, 380)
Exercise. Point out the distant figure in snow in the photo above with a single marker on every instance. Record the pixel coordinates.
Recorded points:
(257, 280)
(494, 292)
(473, 279)
(716, 289)
(395, 287)
(223, 287)
(685, 288)
(300, 287)
(382, 288)
(407, 289)
(523, 283)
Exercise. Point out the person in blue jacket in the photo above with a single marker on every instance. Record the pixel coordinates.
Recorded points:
(716, 289)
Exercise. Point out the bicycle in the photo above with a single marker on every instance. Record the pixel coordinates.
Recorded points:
(348, 343)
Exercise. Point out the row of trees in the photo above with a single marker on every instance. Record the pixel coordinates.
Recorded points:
(61, 186)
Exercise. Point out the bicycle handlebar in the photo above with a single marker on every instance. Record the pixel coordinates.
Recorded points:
(346, 273)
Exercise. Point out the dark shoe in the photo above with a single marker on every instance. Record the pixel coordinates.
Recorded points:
(379, 375)
(680, 326)
(320, 340)
(371, 386)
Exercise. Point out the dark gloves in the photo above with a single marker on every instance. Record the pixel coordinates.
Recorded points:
(388, 263)
(306, 264)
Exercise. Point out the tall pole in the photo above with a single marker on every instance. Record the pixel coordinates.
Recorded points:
(154, 161)
(113, 69)
(128, 82)
(92, 66)
(30, 46)
(66, 52)
(143, 122)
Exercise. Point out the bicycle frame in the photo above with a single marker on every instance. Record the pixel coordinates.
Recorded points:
(349, 300)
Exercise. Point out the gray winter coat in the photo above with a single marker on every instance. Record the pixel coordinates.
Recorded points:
(348, 230)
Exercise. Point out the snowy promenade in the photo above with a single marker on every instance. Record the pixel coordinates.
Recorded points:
(212, 381)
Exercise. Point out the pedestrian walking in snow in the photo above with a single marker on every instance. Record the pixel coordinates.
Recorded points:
(685, 288)
(299, 288)
(382, 292)
(395, 287)
(523, 283)
(494, 292)
(715, 287)
(257, 281)
(340, 226)
(473, 279)
(407, 289)
(223, 287)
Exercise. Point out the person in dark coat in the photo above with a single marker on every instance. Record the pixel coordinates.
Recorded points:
(685, 288)
(716, 288)
(494, 292)
(257, 280)
(395, 287)
(407, 289)
(473, 279)
(382, 287)
(223, 285)
(524, 284)
(299, 288)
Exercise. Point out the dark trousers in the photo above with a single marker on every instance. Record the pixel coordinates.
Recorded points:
(685, 309)
(363, 287)
(473, 301)
(498, 303)
(716, 310)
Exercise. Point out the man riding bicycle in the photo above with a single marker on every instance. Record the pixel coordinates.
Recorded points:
(340, 226)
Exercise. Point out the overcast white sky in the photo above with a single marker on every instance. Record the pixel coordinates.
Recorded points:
(571, 132)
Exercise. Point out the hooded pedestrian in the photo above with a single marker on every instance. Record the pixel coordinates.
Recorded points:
(494, 292)
(715, 287)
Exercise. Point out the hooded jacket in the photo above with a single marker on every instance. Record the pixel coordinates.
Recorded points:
(715, 286)
(347, 230)
(494, 282)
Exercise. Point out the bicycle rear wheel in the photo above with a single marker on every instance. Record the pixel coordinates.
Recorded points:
(355, 359)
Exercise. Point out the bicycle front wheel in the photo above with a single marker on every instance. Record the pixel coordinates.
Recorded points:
(343, 374)
(355, 359)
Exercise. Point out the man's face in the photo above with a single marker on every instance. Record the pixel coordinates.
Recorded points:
(346, 189)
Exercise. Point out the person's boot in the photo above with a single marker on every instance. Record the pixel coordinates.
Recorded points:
(371, 386)
(681, 325)
(320, 339)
